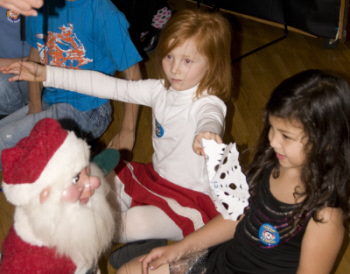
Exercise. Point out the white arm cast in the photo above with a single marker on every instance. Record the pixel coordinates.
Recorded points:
(88, 82)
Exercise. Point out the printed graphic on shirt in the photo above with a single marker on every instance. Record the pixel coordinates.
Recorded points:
(159, 129)
(13, 17)
(62, 49)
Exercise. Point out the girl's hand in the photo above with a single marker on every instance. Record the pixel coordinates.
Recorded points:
(159, 256)
(197, 147)
(27, 71)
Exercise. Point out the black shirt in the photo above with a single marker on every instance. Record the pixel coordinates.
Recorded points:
(246, 253)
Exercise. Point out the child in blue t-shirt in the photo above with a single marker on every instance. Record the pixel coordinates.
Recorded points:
(82, 34)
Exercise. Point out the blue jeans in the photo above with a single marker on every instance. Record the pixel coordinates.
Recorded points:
(86, 124)
(13, 95)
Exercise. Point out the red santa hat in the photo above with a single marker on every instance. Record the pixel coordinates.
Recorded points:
(40, 159)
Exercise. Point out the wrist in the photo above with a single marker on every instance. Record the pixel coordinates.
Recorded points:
(186, 247)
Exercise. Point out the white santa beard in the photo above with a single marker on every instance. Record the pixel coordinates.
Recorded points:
(80, 232)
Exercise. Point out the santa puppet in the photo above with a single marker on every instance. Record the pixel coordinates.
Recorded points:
(62, 220)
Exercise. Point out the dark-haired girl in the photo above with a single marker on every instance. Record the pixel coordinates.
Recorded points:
(299, 186)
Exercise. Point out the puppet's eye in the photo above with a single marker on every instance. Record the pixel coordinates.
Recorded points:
(76, 178)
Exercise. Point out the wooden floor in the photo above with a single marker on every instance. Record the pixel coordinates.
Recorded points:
(254, 78)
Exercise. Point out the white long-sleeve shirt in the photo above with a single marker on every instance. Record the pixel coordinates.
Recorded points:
(177, 117)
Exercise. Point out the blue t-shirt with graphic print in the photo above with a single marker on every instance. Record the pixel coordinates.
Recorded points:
(81, 34)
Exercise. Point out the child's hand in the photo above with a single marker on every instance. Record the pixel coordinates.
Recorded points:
(27, 71)
(159, 256)
(197, 148)
(25, 7)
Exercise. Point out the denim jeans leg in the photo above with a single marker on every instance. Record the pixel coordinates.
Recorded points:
(13, 95)
(88, 124)
(93, 123)
(15, 127)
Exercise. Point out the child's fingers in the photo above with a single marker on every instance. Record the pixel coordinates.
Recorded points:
(29, 65)
(12, 68)
(218, 139)
(209, 136)
(14, 78)
(145, 267)
(199, 151)
(153, 265)
(4, 69)
(27, 71)
(15, 65)
(145, 260)
(141, 258)
(36, 3)
(24, 7)
(152, 260)
(197, 148)
(13, 71)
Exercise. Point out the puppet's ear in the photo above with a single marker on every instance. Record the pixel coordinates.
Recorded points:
(44, 194)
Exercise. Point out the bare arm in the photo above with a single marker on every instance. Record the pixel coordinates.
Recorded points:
(36, 74)
(35, 88)
(321, 243)
(125, 139)
(217, 231)
(24, 7)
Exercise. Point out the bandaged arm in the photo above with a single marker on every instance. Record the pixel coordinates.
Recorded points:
(100, 85)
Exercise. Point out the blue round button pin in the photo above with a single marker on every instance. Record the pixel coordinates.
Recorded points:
(269, 235)
(159, 130)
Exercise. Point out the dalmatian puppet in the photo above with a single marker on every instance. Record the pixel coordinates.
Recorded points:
(62, 220)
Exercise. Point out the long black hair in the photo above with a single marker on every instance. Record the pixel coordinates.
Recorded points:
(320, 102)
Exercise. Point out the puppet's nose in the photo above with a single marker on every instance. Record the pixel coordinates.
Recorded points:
(88, 189)
(82, 190)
